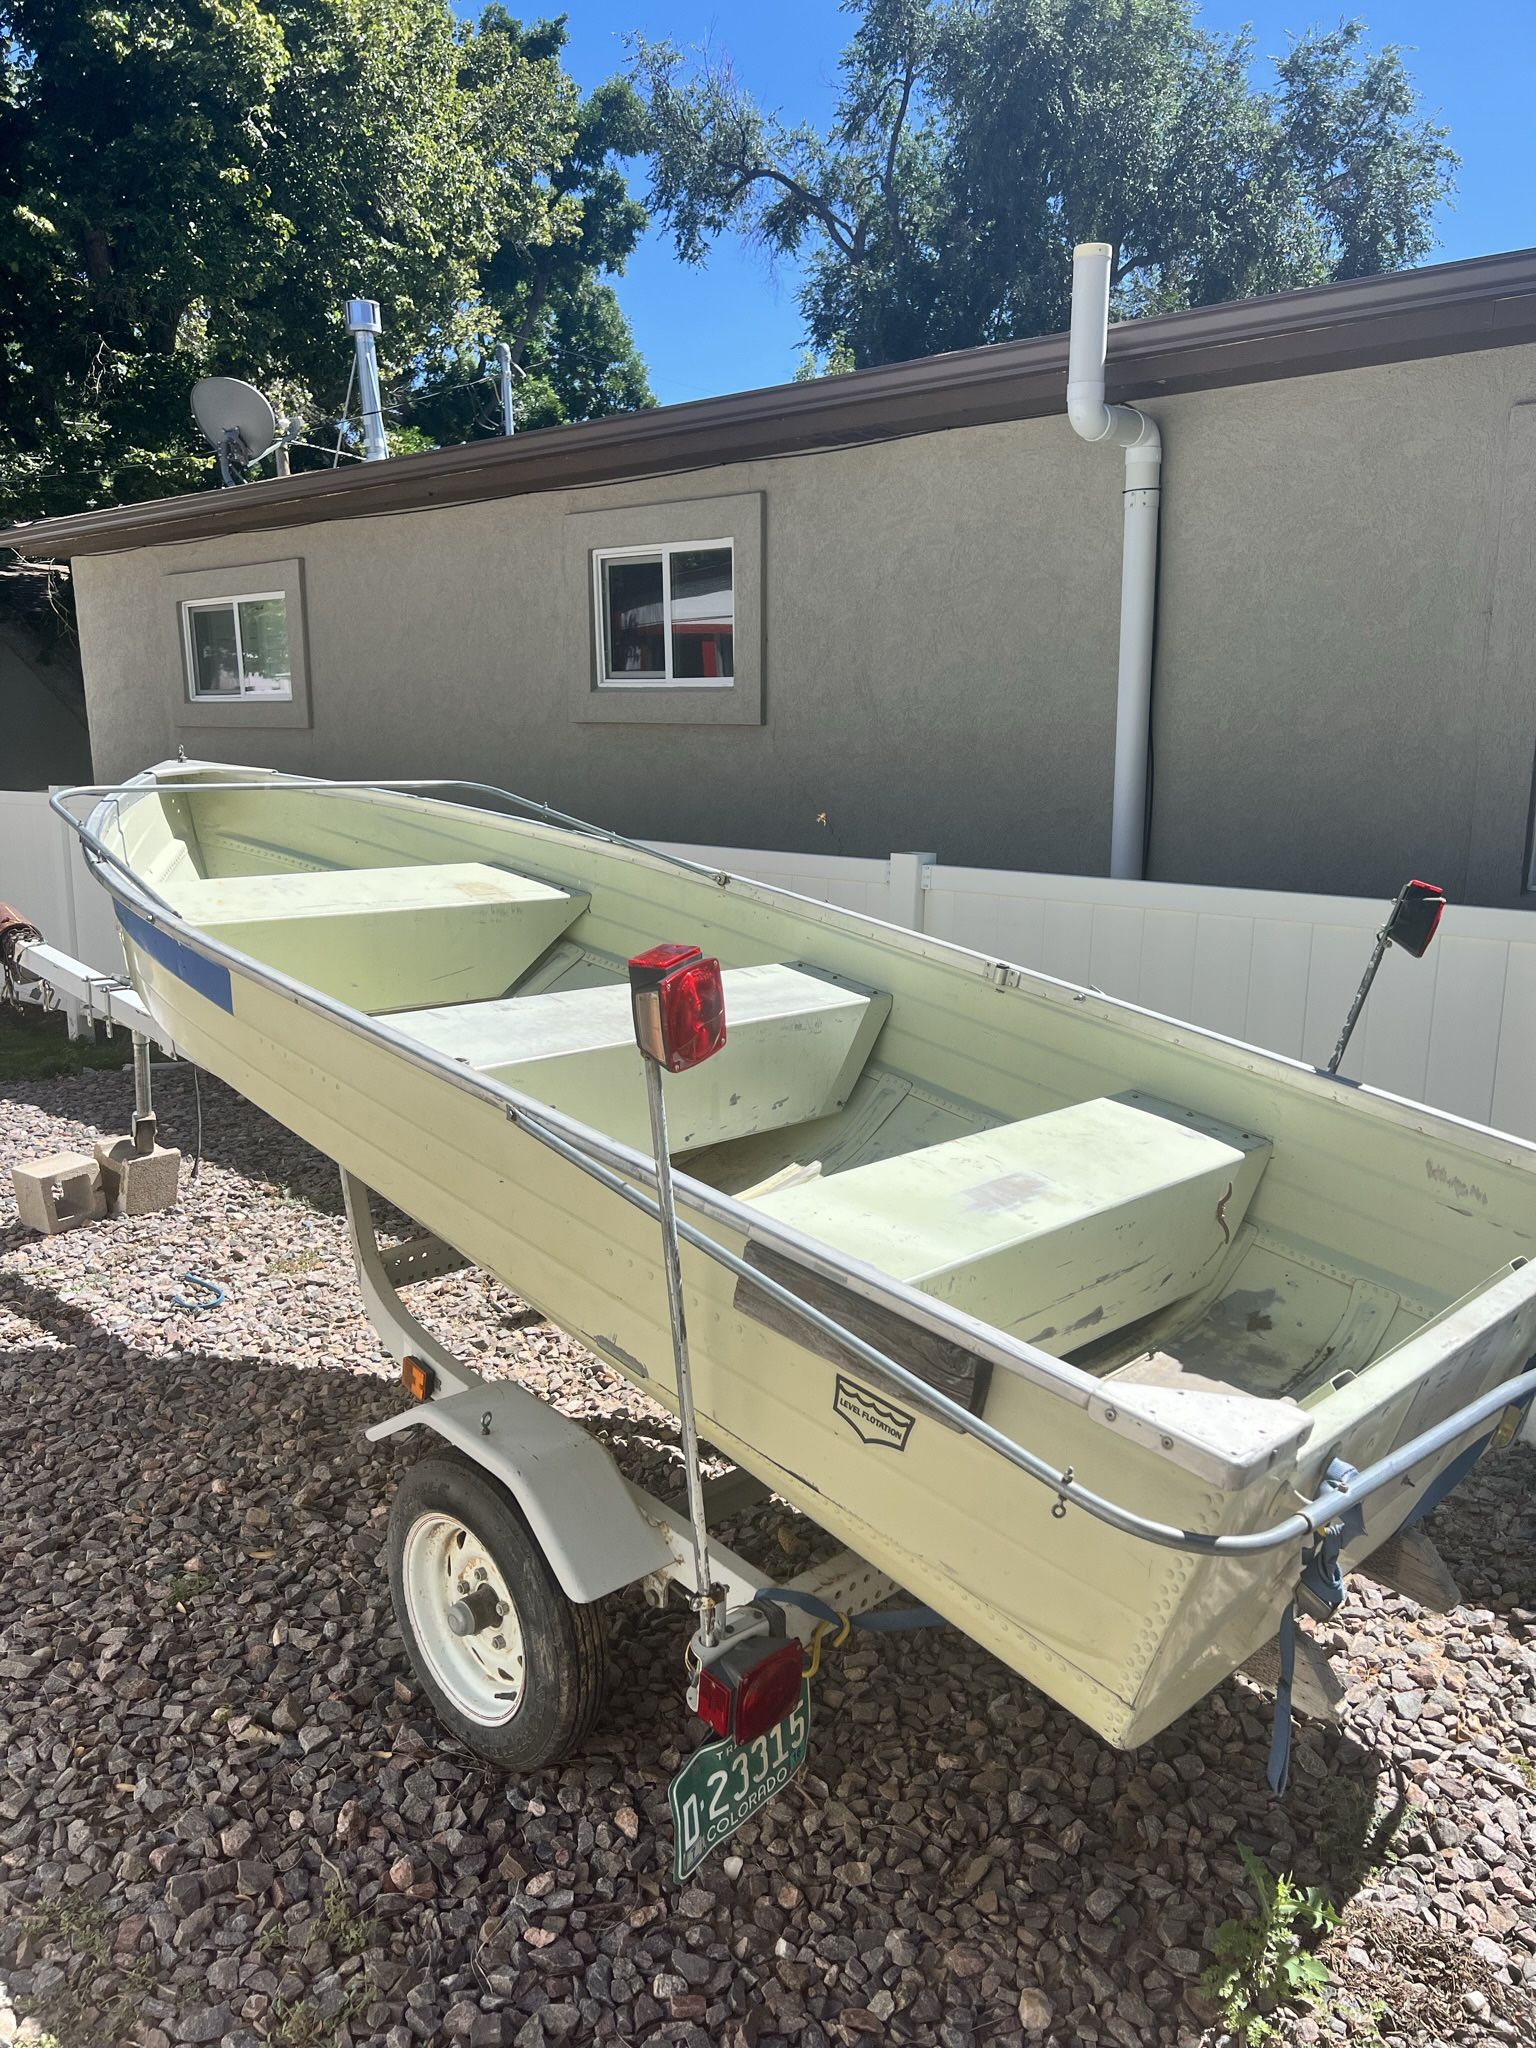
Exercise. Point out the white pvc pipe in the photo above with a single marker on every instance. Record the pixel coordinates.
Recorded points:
(1121, 426)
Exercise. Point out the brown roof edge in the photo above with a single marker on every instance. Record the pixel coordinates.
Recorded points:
(1447, 308)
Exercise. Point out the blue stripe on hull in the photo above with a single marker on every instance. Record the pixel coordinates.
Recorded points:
(206, 976)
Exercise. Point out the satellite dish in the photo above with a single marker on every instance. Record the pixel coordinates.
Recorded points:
(236, 421)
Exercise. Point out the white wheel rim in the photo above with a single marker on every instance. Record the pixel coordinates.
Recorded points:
(484, 1673)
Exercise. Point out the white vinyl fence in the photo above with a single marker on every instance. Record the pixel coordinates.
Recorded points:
(1457, 1028)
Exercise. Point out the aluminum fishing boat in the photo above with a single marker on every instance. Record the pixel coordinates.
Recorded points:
(1093, 1331)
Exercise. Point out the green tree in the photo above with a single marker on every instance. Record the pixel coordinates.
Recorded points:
(975, 141)
(195, 186)
(545, 298)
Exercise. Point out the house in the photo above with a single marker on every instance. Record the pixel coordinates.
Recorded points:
(881, 611)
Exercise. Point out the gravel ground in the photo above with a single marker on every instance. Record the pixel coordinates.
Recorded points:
(226, 1814)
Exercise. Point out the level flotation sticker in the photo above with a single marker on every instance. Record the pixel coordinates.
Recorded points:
(872, 1419)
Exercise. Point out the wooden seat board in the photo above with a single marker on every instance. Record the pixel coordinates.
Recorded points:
(1065, 1225)
(385, 939)
(796, 1042)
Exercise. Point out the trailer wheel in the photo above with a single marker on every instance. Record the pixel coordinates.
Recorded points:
(514, 1667)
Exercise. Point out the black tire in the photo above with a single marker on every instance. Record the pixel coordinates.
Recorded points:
(564, 1662)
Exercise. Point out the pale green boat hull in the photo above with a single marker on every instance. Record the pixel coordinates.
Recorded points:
(1375, 1272)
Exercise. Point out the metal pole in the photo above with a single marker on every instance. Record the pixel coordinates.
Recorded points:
(705, 1598)
(1382, 943)
(504, 381)
(363, 324)
(144, 1120)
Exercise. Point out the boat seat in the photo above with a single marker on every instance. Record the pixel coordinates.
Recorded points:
(796, 1041)
(388, 938)
(1060, 1229)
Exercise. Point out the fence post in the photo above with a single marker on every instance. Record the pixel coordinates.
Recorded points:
(907, 888)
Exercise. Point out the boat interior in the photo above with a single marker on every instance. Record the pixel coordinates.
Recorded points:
(1123, 1231)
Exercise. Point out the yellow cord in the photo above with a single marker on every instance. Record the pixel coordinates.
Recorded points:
(844, 1627)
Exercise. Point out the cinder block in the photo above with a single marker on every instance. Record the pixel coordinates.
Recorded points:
(137, 1183)
(58, 1192)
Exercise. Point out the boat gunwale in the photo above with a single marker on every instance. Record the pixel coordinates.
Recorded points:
(609, 1159)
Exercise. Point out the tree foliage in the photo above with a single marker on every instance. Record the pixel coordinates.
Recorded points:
(195, 186)
(545, 297)
(975, 141)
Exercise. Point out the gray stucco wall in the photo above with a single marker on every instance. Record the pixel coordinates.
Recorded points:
(1345, 690)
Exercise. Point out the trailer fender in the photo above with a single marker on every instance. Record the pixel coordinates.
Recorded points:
(568, 1488)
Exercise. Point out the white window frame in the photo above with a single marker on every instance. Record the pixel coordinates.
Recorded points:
(189, 605)
(666, 550)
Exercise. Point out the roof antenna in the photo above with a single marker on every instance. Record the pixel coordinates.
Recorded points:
(363, 324)
(505, 370)
(239, 425)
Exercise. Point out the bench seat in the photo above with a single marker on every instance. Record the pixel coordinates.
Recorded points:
(388, 938)
(796, 1041)
(1060, 1229)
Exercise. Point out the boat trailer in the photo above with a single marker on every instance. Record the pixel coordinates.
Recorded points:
(568, 1514)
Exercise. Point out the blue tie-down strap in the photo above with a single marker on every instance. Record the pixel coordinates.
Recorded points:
(209, 1294)
(887, 1623)
(1322, 1577)
(1279, 1772)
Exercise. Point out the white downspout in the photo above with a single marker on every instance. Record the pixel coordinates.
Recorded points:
(1121, 426)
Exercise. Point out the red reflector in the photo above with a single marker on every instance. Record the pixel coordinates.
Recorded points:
(768, 1691)
(744, 1700)
(716, 1699)
(678, 1002)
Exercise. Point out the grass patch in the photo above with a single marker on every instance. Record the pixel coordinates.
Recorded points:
(1526, 1766)
(35, 1045)
(298, 1262)
(190, 1586)
(302, 2025)
(342, 1930)
(116, 1990)
(1265, 1961)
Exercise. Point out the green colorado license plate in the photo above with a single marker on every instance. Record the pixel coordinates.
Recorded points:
(723, 1784)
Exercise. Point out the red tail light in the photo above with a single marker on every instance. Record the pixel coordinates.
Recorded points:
(1416, 917)
(678, 1001)
(717, 1701)
(743, 1699)
(768, 1691)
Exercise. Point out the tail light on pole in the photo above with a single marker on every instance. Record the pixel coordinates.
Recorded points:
(1411, 923)
(678, 1002)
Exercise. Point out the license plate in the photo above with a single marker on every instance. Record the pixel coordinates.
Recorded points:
(723, 1784)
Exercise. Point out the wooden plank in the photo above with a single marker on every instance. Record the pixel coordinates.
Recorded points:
(1316, 1688)
(948, 1366)
(1410, 1564)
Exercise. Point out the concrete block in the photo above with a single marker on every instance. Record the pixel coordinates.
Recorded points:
(58, 1192)
(137, 1183)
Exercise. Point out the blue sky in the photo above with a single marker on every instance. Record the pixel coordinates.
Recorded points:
(734, 324)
